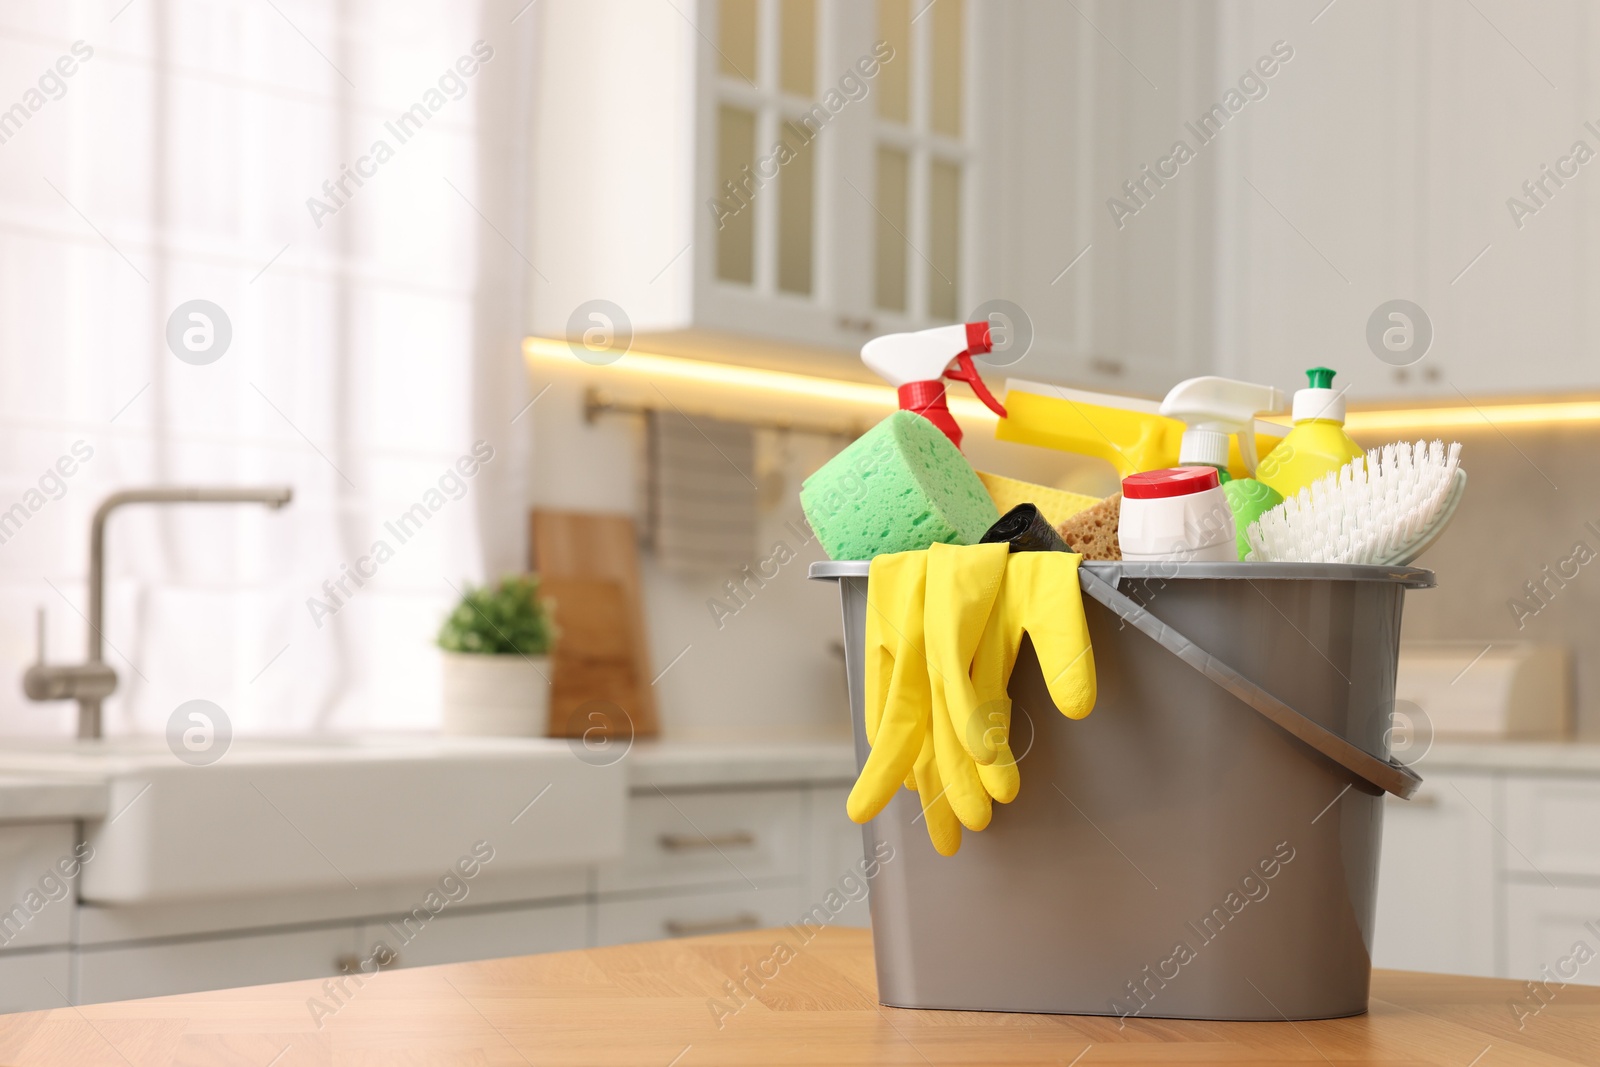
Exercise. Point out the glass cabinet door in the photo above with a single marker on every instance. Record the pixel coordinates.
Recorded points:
(921, 156)
(767, 121)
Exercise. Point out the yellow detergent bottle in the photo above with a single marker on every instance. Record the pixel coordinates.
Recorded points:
(1317, 445)
(1127, 432)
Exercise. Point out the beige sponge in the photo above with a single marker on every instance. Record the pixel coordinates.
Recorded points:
(1093, 531)
(1056, 505)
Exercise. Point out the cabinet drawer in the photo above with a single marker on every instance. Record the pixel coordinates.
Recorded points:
(746, 837)
(480, 936)
(123, 973)
(694, 914)
(1553, 825)
(1546, 926)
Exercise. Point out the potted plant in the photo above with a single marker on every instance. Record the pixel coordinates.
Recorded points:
(496, 652)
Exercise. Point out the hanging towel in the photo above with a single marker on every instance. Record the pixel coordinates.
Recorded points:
(700, 492)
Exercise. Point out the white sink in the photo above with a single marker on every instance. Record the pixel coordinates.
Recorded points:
(298, 815)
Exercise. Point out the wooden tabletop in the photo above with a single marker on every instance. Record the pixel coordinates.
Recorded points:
(659, 1004)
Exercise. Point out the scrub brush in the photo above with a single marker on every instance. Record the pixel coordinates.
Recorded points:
(1385, 509)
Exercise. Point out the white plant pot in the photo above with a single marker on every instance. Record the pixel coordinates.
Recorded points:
(495, 695)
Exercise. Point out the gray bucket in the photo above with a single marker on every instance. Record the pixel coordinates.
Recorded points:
(1203, 845)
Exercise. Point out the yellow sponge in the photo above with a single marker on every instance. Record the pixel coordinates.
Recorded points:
(1056, 505)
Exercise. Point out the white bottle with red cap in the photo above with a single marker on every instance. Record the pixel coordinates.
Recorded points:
(1179, 514)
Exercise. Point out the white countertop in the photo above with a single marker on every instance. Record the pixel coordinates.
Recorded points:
(52, 797)
(1527, 757)
(686, 764)
(40, 795)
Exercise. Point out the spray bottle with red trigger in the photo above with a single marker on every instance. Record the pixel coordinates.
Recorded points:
(917, 364)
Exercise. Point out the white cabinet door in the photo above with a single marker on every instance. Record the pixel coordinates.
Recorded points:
(1436, 880)
(721, 837)
(834, 862)
(817, 172)
(34, 981)
(126, 972)
(1554, 933)
(36, 892)
(1553, 825)
(481, 935)
(697, 914)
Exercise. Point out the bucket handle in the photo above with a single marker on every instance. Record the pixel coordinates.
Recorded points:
(1375, 776)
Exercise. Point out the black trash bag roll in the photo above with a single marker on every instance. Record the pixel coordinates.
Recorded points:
(1026, 530)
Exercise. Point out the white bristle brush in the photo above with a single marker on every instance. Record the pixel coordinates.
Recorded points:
(1384, 509)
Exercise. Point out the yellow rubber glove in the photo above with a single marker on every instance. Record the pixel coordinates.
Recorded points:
(1039, 597)
(963, 584)
(897, 700)
(944, 829)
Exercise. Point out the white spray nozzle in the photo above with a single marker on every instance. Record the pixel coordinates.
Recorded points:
(1211, 408)
(922, 356)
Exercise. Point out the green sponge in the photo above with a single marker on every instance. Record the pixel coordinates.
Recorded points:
(900, 487)
(1249, 500)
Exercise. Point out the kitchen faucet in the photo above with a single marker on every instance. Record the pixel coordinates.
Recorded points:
(90, 682)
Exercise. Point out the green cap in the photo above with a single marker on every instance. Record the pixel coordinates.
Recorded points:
(1320, 377)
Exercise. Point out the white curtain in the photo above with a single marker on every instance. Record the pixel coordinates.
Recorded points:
(327, 175)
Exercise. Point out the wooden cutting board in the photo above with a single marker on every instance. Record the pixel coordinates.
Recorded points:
(589, 564)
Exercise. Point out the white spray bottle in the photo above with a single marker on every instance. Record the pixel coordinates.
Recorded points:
(917, 363)
(1211, 408)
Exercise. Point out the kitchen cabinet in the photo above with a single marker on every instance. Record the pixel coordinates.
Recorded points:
(1497, 871)
(35, 896)
(476, 935)
(718, 837)
(819, 172)
(709, 838)
(1437, 883)
(1556, 824)
(35, 981)
(716, 859)
(1547, 923)
(718, 911)
(836, 851)
(127, 971)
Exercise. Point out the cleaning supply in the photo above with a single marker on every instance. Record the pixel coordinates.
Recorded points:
(917, 363)
(1179, 514)
(1040, 597)
(1026, 530)
(963, 585)
(1128, 432)
(1093, 531)
(943, 630)
(1384, 509)
(1317, 445)
(901, 486)
(898, 700)
(1249, 499)
(1056, 505)
(1211, 409)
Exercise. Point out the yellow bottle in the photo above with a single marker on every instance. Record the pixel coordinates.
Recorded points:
(1317, 445)
(1127, 432)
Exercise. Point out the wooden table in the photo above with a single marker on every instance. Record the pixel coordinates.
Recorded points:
(652, 1005)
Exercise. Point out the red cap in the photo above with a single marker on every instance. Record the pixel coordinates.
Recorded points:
(1174, 481)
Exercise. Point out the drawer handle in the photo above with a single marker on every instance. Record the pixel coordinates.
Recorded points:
(691, 842)
(743, 921)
